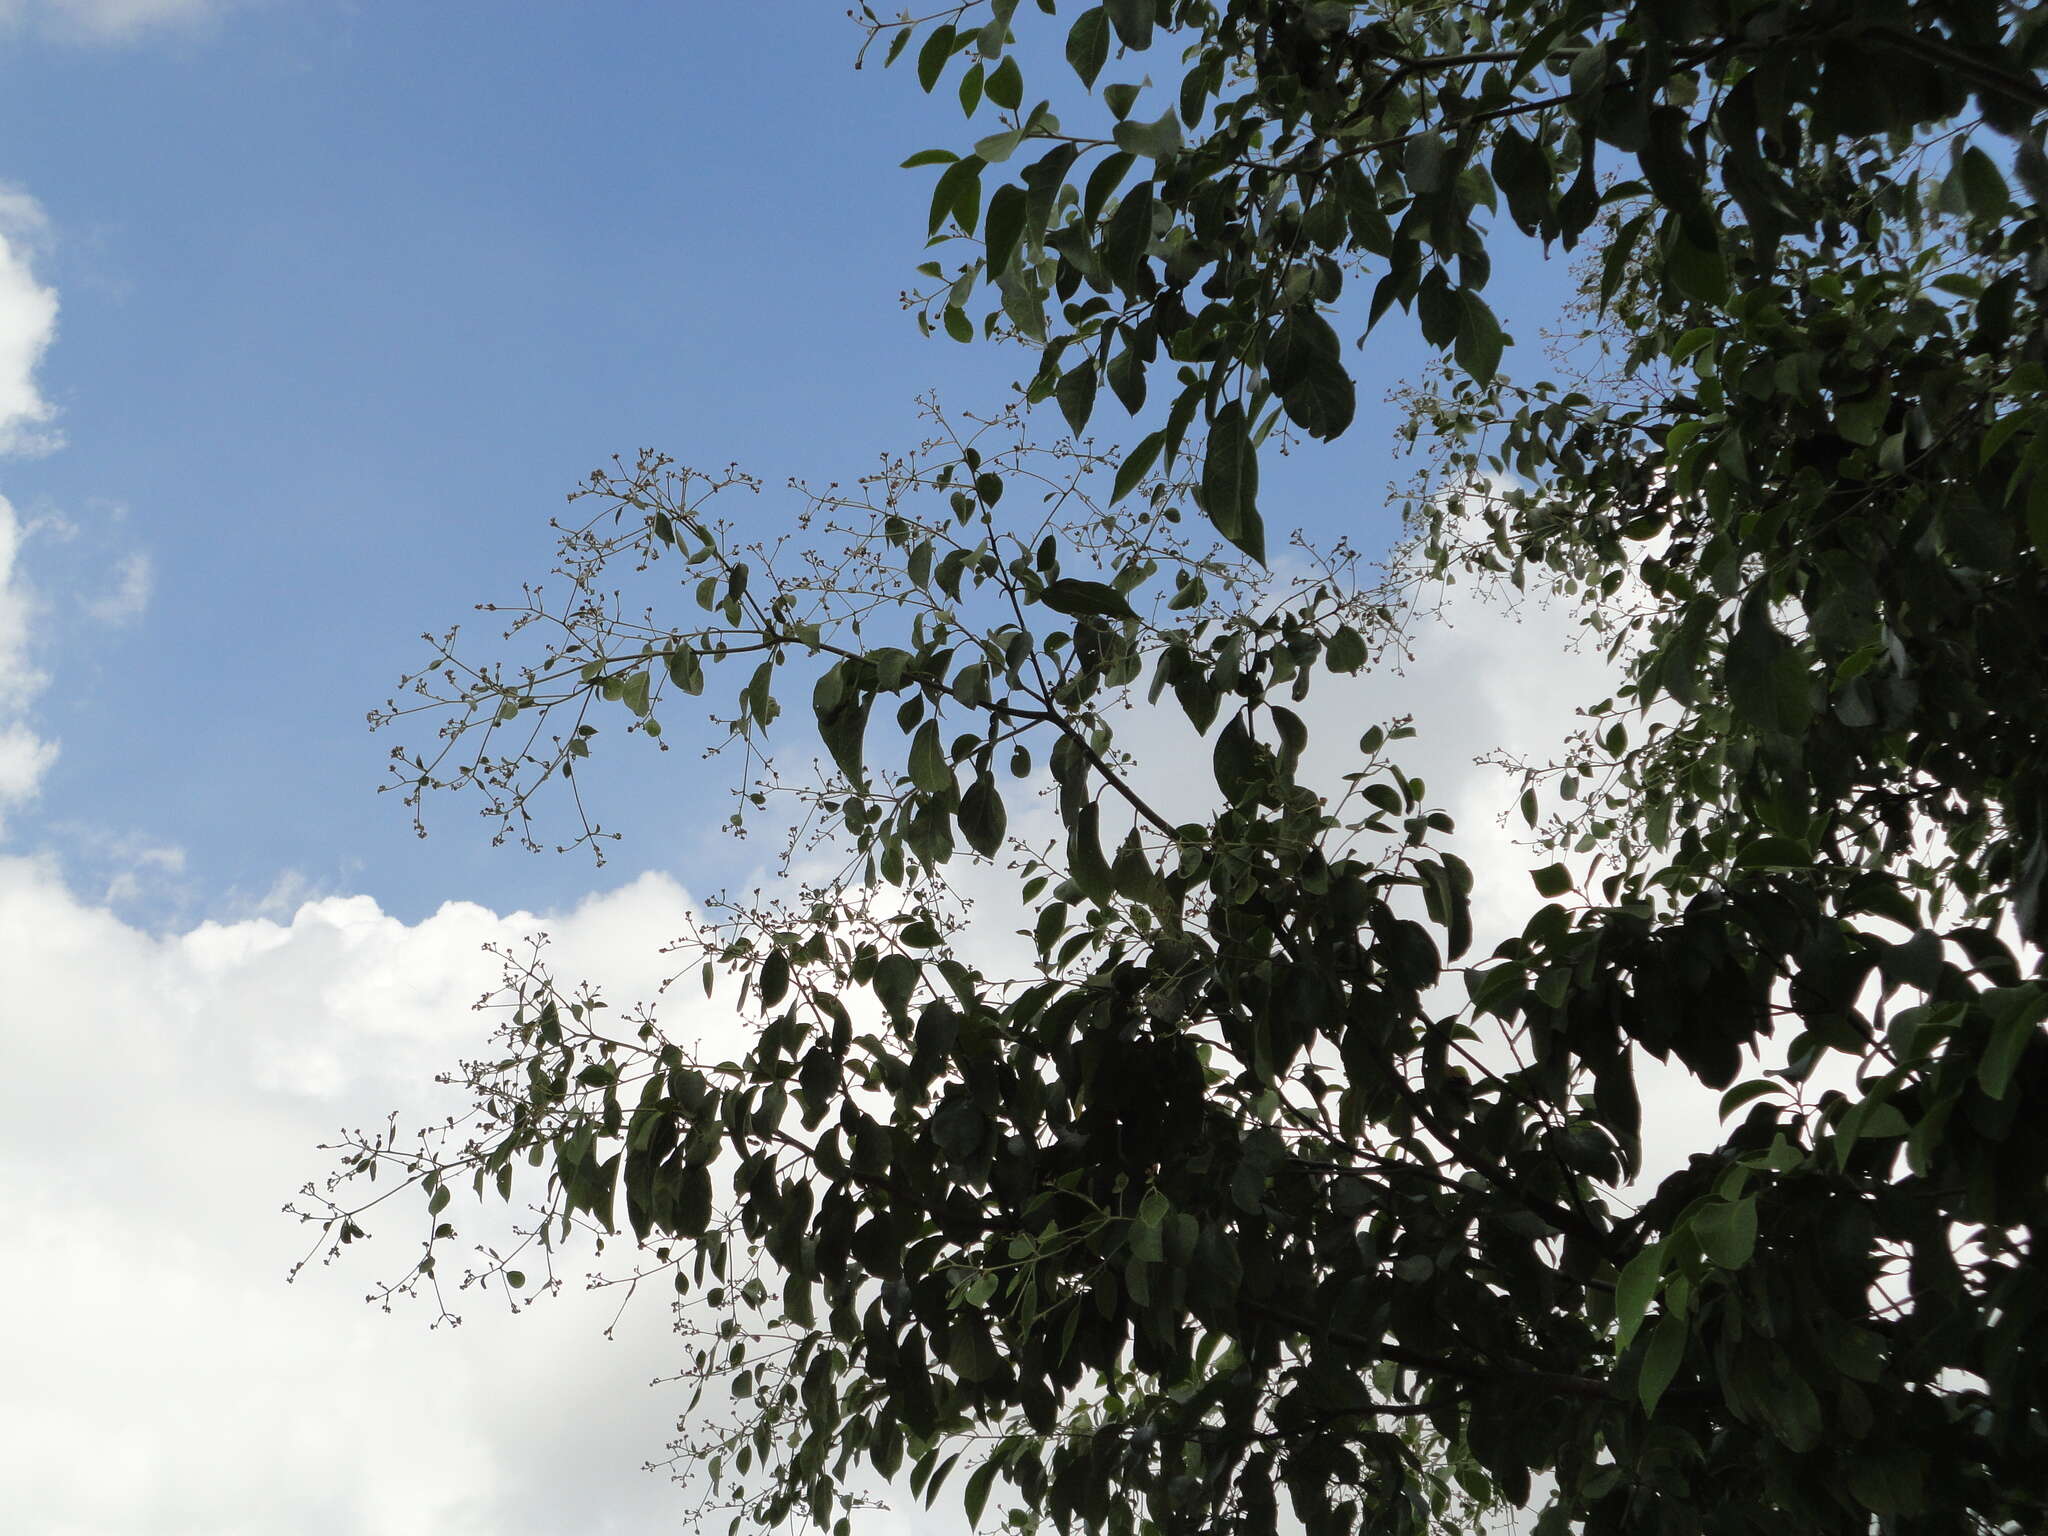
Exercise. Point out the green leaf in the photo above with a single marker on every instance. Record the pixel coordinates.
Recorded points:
(2016, 1014)
(1006, 84)
(773, 983)
(1747, 1093)
(1522, 171)
(932, 57)
(1439, 308)
(1107, 176)
(1147, 1241)
(1133, 19)
(842, 721)
(1127, 378)
(1305, 362)
(1666, 1352)
(1076, 394)
(1888, 1485)
(975, 1498)
(1088, 44)
(1426, 162)
(1085, 861)
(1230, 482)
(1551, 880)
(633, 692)
(998, 147)
(929, 770)
(1985, 189)
(1004, 228)
(1697, 273)
(1673, 173)
(1235, 757)
(895, 982)
(691, 1213)
(1344, 651)
(1136, 465)
(983, 819)
(2032, 165)
(2037, 515)
(1479, 340)
(1767, 678)
(1774, 853)
(1614, 263)
(1727, 1231)
(1154, 140)
(958, 193)
(1128, 234)
(685, 670)
(1086, 599)
(1634, 1290)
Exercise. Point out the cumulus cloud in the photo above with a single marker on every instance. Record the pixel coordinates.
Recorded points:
(28, 322)
(165, 1095)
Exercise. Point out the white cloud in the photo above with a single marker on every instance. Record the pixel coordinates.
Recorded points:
(164, 1098)
(28, 322)
(25, 756)
(134, 578)
(107, 21)
(19, 680)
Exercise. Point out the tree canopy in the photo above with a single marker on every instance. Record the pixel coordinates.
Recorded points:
(1259, 1186)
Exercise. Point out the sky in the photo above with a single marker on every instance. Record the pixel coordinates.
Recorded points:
(310, 313)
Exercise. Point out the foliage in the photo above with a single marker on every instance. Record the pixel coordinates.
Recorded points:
(1233, 1195)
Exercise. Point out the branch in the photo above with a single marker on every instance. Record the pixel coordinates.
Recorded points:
(1986, 76)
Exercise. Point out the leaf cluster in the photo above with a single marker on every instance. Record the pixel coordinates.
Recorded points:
(1257, 1182)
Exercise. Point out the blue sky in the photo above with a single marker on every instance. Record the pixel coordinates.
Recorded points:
(353, 293)
(310, 313)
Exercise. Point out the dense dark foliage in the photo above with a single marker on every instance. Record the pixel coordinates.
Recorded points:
(1261, 1190)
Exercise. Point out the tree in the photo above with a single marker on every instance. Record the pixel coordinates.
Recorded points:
(1262, 1184)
